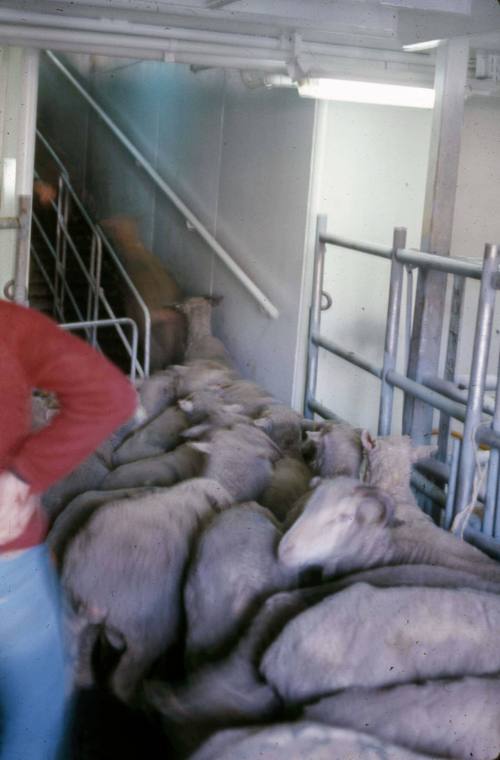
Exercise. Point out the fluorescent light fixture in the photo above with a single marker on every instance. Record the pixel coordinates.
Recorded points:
(418, 47)
(367, 92)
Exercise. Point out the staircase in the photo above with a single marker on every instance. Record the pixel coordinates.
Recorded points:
(75, 276)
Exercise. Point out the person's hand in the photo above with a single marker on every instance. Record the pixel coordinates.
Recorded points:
(17, 505)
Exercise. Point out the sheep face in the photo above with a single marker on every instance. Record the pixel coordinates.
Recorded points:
(338, 519)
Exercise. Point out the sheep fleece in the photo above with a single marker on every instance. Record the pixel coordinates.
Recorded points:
(372, 637)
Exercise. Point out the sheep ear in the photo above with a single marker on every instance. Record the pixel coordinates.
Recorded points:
(422, 452)
(263, 423)
(375, 507)
(196, 431)
(202, 446)
(313, 435)
(180, 369)
(367, 441)
(314, 482)
(186, 405)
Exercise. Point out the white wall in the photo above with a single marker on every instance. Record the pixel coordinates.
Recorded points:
(240, 159)
(373, 179)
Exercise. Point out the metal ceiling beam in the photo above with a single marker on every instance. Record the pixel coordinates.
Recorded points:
(220, 3)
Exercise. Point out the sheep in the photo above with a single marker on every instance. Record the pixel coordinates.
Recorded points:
(206, 410)
(335, 449)
(389, 464)
(290, 481)
(348, 526)
(157, 288)
(233, 570)
(123, 571)
(87, 476)
(157, 436)
(370, 637)
(200, 374)
(240, 459)
(454, 718)
(161, 470)
(251, 397)
(201, 344)
(79, 510)
(303, 740)
(231, 691)
(157, 392)
(283, 426)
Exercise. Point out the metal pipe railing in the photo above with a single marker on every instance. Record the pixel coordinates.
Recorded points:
(96, 323)
(350, 356)
(391, 333)
(160, 183)
(479, 367)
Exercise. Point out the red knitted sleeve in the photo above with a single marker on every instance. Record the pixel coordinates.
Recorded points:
(94, 397)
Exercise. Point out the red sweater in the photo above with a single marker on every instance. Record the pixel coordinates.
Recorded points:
(94, 397)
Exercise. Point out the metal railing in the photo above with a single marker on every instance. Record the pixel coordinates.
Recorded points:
(169, 193)
(62, 249)
(467, 403)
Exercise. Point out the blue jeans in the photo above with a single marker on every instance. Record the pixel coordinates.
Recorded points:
(33, 669)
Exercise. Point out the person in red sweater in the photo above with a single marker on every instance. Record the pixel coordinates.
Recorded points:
(94, 399)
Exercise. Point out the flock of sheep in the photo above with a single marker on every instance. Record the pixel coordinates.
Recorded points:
(268, 585)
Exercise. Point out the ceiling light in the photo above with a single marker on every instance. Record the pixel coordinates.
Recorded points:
(417, 47)
(367, 92)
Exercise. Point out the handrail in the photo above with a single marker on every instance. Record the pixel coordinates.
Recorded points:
(160, 183)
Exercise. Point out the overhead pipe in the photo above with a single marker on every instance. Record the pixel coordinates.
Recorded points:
(216, 247)
(272, 41)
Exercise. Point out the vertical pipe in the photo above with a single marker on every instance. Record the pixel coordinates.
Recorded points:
(479, 366)
(64, 244)
(97, 286)
(315, 315)
(456, 311)
(90, 286)
(491, 511)
(25, 162)
(391, 332)
(23, 250)
(449, 510)
(409, 315)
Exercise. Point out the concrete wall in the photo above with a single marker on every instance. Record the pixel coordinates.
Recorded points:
(240, 159)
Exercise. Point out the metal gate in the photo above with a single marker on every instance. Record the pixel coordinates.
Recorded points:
(449, 481)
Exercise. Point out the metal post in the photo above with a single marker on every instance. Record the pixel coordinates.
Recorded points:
(315, 315)
(491, 515)
(97, 285)
(23, 251)
(479, 366)
(391, 332)
(456, 310)
(450, 80)
(449, 510)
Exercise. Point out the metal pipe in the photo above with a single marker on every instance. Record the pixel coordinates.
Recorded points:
(488, 437)
(22, 251)
(349, 356)
(449, 389)
(454, 327)
(463, 381)
(391, 333)
(491, 519)
(417, 390)
(222, 254)
(440, 263)
(479, 366)
(323, 411)
(269, 42)
(358, 245)
(428, 488)
(409, 314)
(488, 545)
(84, 325)
(449, 510)
(315, 315)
